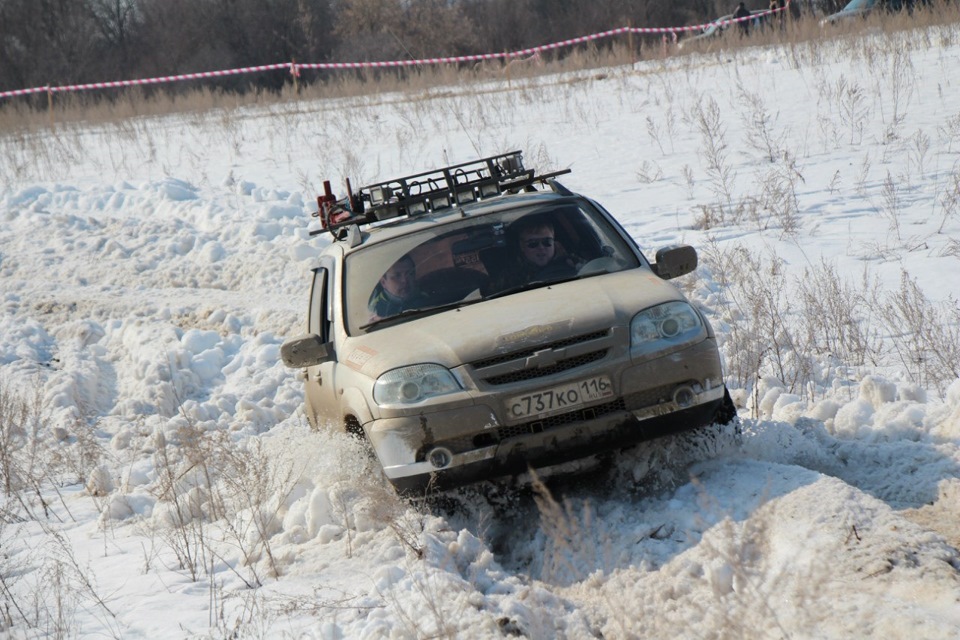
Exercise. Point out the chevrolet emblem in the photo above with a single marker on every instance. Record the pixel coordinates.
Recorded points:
(544, 358)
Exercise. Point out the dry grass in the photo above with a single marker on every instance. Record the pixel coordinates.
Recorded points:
(800, 38)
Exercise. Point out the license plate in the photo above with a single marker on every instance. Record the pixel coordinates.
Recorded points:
(559, 399)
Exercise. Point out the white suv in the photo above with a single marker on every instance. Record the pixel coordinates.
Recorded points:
(478, 320)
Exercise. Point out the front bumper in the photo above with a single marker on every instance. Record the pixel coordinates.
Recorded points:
(615, 428)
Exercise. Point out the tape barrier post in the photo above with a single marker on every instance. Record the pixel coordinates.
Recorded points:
(50, 106)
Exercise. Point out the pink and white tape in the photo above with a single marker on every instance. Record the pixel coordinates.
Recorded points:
(295, 67)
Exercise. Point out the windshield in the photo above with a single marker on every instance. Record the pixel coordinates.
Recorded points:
(478, 258)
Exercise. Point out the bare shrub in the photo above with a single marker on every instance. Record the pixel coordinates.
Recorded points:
(836, 315)
(925, 337)
(708, 119)
(571, 539)
(649, 172)
(788, 329)
(950, 200)
(778, 196)
(14, 433)
(760, 134)
(902, 83)
(918, 150)
(27, 447)
(950, 131)
(890, 209)
(46, 600)
(861, 184)
(853, 108)
(688, 179)
(833, 187)
(435, 592)
(81, 450)
(707, 216)
(218, 494)
(763, 337)
(182, 524)
(255, 489)
(11, 573)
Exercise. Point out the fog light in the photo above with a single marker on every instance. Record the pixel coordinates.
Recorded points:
(440, 457)
(684, 397)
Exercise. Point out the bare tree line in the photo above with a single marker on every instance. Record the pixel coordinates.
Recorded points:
(56, 42)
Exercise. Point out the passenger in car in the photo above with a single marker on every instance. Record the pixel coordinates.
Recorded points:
(396, 291)
(535, 250)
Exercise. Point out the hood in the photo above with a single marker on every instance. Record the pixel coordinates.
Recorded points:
(507, 324)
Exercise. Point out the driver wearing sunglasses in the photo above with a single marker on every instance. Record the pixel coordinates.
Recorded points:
(537, 258)
(537, 246)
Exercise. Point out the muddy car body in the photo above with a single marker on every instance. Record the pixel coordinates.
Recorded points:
(495, 367)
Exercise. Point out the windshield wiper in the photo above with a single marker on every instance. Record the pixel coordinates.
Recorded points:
(409, 313)
(534, 284)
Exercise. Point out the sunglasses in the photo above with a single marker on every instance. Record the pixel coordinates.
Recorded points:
(533, 243)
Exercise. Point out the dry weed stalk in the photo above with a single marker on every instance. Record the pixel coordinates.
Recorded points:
(760, 134)
(255, 489)
(708, 118)
(891, 206)
(853, 108)
(836, 322)
(836, 316)
(950, 200)
(925, 336)
(184, 532)
(572, 542)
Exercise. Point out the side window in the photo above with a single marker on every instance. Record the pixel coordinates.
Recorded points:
(319, 316)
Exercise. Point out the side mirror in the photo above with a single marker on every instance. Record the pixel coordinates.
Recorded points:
(306, 351)
(675, 261)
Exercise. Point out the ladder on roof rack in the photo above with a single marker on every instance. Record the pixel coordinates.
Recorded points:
(428, 191)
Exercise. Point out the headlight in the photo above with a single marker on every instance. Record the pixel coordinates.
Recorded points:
(413, 384)
(664, 327)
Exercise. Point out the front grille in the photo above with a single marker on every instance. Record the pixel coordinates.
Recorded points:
(539, 372)
(560, 344)
(521, 365)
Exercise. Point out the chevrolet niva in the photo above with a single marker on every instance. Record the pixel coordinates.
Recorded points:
(481, 320)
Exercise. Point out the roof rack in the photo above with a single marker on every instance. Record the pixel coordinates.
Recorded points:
(427, 192)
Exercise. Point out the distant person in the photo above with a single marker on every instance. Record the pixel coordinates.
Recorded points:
(794, 9)
(779, 18)
(535, 255)
(742, 12)
(397, 290)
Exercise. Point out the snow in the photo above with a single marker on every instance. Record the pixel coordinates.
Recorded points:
(171, 487)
